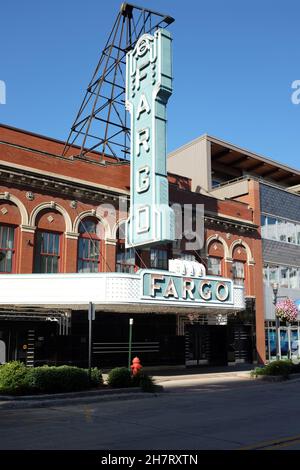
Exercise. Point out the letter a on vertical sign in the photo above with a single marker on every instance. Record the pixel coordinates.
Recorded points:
(148, 88)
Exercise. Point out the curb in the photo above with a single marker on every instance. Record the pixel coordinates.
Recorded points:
(277, 378)
(84, 393)
(72, 398)
(42, 403)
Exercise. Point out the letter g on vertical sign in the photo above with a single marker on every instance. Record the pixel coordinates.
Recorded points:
(148, 88)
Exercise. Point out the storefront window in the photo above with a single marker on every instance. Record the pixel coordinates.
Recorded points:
(88, 247)
(6, 248)
(289, 341)
(47, 252)
(214, 266)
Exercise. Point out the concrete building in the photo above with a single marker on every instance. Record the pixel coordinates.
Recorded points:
(271, 190)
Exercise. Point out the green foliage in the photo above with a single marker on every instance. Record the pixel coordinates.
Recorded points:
(16, 378)
(144, 381)
(96, 377)
(57, 379)
(147, 383)
(283, 368)
(13, 378)
(119, 378)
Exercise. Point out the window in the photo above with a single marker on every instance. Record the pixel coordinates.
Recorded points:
(187, 257)
(158, 258)
(88, 247)
(284, 277)
(263, 222)
(214, 266)
(7, 234)
(47, 252)
(294, 278)
(287, 277)
(125, 259)
(273, 275)
(291, 232)
(280, 230)
(272, 228)
(238, 271)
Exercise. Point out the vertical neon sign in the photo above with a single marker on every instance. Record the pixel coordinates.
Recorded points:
(148, 88)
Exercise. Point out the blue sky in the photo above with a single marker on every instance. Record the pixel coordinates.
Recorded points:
(234, 63)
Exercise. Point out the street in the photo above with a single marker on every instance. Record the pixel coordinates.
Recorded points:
(222, 414)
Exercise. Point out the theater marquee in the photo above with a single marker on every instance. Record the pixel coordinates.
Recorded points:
(148, 88)
(166, 286)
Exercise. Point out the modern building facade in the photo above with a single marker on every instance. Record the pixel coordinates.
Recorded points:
(271, 190)
(61, 249)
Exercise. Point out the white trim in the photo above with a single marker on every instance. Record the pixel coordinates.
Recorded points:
(217, 237)
(54, 206)
(250, 259)
(92, 213)
(23, 211)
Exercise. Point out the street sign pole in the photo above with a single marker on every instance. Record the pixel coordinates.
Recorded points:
(91, 317)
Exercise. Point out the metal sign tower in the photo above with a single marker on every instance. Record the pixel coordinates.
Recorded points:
(102, 124)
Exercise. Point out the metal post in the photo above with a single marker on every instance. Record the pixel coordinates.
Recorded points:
(289, 339)
(130, 342)
(277, 324)
(277, 321)
(91, 318)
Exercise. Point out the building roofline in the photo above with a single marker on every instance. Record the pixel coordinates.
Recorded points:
(52, 139)
(236, 148)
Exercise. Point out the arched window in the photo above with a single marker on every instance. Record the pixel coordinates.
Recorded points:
(48, 241)
(8, 235)
(89, 247)
(125, 257)
(239, 257)
(215, 258)
(7, 248)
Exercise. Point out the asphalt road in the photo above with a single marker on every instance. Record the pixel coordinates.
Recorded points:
(222, 414)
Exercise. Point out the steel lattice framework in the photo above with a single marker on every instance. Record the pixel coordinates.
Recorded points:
(101, 124)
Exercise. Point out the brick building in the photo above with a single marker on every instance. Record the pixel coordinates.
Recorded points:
(51, 225)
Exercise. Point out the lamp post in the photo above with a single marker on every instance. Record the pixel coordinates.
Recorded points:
(277, 321)
(130, 342)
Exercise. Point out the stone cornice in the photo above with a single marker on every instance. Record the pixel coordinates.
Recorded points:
(57, 185)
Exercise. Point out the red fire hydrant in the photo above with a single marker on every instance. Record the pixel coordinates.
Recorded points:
(136, 366)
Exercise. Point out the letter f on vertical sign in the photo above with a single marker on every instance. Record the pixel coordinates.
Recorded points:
(2, 92)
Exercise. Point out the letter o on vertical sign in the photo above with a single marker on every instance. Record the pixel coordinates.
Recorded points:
(222, 296)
